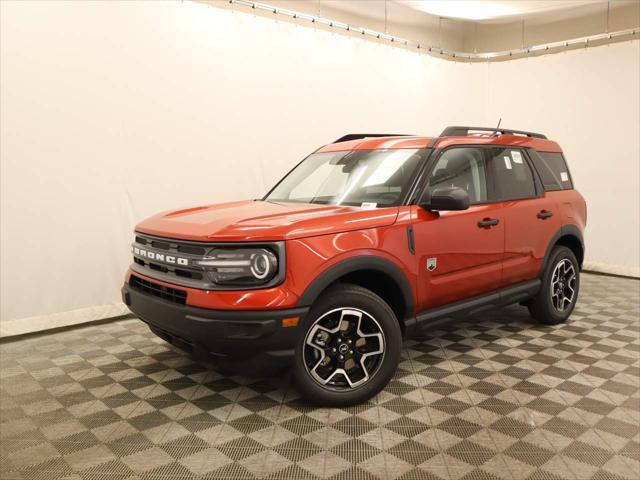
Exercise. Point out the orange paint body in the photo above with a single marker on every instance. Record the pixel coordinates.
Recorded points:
(471, 260)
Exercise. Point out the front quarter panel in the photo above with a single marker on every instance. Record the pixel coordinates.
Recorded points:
(308, 258)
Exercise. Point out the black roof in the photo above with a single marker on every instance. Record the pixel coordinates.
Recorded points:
(357, 136)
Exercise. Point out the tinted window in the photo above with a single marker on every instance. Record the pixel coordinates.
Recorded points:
(552, 169)
(512, 175)
(464, 168)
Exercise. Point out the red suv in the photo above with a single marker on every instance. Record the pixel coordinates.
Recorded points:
(367, 241)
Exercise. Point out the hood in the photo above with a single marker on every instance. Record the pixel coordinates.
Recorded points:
(258, 221)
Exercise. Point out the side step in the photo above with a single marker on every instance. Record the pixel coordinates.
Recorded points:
(455, 311)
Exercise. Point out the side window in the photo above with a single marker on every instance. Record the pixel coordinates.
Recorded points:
(552, 169)
(512, 174)
(464, 168)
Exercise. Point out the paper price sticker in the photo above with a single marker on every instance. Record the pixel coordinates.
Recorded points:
(517, 156)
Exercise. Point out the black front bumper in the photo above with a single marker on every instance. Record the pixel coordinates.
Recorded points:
(231, 334)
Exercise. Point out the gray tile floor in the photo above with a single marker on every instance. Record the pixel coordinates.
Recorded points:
(496, 396)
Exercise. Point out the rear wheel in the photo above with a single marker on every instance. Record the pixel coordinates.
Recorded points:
(350, 348)
(558, 294)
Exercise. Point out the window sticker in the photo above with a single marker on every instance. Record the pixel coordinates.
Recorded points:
(368, 205)
(507, 162)
(517, 156)
(564, 176)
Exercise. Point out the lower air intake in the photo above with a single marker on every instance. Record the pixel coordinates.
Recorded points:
(151, 288)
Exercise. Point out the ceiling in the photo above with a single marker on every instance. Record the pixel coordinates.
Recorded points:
(499, 10)
(475, 25)
(478, 11)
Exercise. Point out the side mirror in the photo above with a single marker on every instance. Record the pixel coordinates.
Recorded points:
(447, 198)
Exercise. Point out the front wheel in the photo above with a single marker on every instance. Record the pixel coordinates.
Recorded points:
(560, 286)
(350, 348)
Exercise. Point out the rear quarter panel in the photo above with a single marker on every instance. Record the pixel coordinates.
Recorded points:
(572, 207)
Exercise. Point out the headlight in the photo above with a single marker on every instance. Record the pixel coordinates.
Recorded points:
(240, 266)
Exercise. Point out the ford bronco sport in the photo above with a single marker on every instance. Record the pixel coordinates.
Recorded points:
(367, 241)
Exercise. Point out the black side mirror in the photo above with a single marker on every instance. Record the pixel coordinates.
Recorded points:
(447, 198)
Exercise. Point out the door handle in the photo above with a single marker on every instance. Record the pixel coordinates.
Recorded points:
(488, 222)
(543, 214)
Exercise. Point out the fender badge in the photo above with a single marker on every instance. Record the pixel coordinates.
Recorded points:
(432, 263)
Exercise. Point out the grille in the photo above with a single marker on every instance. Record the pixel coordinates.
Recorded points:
(165, 269)
(151, 288)
(157, 267)
(160, 245)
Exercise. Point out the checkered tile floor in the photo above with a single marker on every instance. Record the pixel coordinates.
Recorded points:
(494, 397)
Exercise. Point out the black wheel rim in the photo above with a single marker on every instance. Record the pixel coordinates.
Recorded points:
(563, 285)
(344, 349)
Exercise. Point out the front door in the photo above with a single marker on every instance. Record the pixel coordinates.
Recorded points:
(459, 252)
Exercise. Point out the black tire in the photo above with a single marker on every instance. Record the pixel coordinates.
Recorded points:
(544, 306)
(330, 307)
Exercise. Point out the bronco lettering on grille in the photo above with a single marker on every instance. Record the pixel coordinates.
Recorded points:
(160, 257)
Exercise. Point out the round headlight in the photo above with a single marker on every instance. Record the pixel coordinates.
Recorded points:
(263, 264)
(245, 266)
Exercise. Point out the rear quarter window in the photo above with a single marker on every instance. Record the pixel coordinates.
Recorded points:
(552, 169)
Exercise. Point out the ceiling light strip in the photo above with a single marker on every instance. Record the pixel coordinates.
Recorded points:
(582, 41)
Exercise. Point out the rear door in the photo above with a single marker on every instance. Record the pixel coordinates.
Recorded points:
(459, 253)
(531, 217)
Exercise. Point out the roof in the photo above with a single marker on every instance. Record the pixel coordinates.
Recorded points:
(539, 144)
(376, 143)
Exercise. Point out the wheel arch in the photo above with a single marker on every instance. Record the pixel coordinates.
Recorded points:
(377, 274)
(569, 236)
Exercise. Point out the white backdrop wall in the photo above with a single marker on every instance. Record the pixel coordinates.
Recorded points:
(112, 111)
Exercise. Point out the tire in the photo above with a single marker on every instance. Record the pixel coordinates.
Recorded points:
(358, 318)
(545, 306)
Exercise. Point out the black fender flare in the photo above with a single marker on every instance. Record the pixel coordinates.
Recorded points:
(354, 264)
(563, 231)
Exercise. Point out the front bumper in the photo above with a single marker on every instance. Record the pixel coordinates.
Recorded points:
(231, 334)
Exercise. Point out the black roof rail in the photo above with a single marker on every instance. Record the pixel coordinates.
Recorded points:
(464, 131)
(358, 136)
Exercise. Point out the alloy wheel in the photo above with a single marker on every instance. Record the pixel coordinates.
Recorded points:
(344, 348)
(563, 285)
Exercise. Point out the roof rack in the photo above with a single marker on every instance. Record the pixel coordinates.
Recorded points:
(464, 131)
(358, 136)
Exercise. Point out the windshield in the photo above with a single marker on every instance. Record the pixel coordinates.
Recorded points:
(367, 178)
